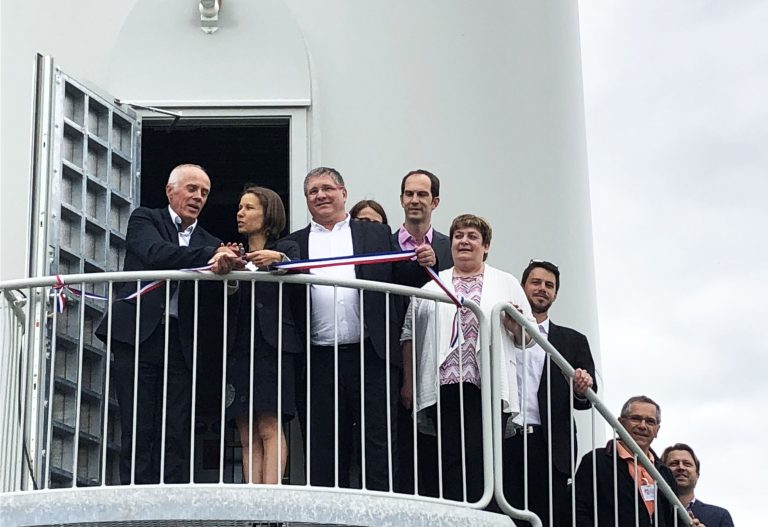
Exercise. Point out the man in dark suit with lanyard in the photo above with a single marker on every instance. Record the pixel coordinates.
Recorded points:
(419, 197)
(337, 321)
(536, 377)
(164, 239)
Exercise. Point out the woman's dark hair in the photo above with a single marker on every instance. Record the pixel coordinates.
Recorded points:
(369, 203)
(274, 211)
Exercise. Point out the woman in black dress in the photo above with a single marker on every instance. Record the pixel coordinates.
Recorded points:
(255, 361)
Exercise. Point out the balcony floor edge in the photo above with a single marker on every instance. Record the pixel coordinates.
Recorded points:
(128, 505)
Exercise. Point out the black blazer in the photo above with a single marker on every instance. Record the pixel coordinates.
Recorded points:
(152, 244)
(711, 515)
(575, 348)
(265, 308)
(370, 237)
(625, 492)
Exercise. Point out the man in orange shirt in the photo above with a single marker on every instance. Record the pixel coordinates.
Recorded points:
(638, 500)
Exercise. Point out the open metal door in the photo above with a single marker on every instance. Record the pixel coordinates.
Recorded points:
(85, 183)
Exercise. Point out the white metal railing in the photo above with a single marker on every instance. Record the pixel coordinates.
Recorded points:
(75, 429)
(59, 427)
(600, 417)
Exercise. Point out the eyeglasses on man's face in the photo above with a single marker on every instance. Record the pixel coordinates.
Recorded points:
(325, 189)
(637, 419)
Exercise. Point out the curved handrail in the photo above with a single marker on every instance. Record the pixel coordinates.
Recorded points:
(78, 280)
(532, 330)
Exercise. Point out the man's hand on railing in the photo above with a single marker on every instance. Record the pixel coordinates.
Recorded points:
(582, 381)
(515, 329)
(226, 259)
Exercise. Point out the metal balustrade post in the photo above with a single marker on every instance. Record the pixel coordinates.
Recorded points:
(572, 454)
(308, 372)
(193, 405)
(414, 403)
(462, 432)
(164, 417)
(79, 390)
(387, 385)
(438, 403)
(134, 406)
(335, 386)
(107, 386)
(49, 424)
(223, 379)
(251, 365)
(363, 464)
(279, 384)
(489, 417)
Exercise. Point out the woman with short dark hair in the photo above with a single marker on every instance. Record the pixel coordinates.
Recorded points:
(453, 364)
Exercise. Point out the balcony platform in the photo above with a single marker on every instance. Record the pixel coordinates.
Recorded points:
(211, 505)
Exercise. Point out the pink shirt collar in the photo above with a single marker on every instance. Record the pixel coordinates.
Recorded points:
(407, 241)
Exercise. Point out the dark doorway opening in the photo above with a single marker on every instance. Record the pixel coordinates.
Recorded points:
(233, 152)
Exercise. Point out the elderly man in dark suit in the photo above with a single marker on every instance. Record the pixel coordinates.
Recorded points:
(686, 467)
(541, 385)
(338, 321)
(164, 239)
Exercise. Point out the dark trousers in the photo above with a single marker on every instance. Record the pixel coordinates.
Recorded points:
(323, 448)
(149, 417)
(538, 480)
(454, 474)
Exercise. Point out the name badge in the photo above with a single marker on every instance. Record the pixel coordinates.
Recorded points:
(648, 492)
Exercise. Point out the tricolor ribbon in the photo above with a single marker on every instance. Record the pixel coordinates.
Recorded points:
(375, 258)
(61, 287)
(361, 259)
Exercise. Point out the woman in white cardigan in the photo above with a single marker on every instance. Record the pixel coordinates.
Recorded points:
(439, 365)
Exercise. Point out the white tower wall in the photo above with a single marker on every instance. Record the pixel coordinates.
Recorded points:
(486, 95)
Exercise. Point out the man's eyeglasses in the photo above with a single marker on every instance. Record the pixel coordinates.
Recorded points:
(325, 189)
(637, 419)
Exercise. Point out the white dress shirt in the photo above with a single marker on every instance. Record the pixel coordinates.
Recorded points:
(530, 364)
(324, 243)
(184, 237)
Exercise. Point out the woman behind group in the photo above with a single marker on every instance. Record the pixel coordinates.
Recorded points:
(438, 361)
(261, 218)
(369, 210)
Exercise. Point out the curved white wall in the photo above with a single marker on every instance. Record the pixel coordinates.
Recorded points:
(488, 96)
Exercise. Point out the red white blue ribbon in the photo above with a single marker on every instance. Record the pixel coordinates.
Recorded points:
(60, 288)
(458, 302)
(375, 258)
(361, 259)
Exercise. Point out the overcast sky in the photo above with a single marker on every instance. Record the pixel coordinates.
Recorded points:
(676, 100)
